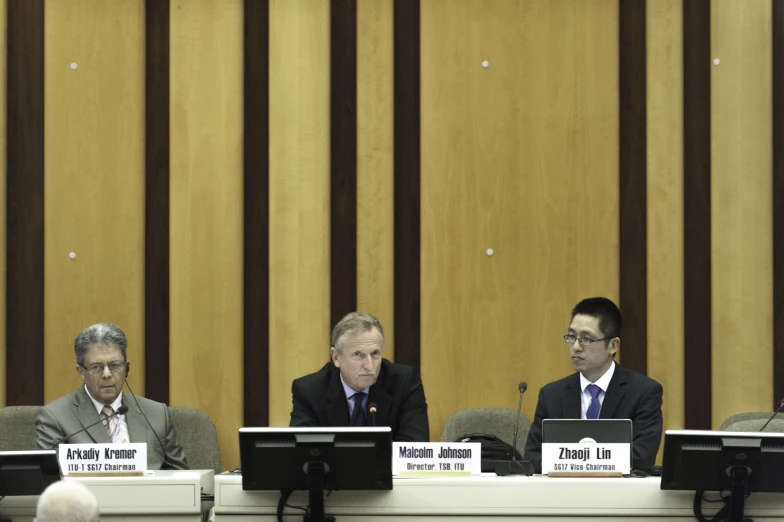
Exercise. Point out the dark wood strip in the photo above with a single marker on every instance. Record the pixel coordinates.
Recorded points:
(25, 204)
(256, 214)
(343, 158)
(632, 185)
(778, 202)
(407, 156)
(697, 212)
(156, 226)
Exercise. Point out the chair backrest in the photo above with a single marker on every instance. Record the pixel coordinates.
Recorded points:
(493, 421)
(198, 438)
(17, 428)
(753, 421)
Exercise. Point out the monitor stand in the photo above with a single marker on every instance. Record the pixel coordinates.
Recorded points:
(315, 472)
(733, 511)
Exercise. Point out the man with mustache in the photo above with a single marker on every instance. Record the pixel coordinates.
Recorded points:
(601, 388)
(357, 376)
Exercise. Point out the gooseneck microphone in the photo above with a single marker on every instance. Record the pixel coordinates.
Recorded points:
(781, 407)
(163, 448)
(521, 388)
(372, 409)
(120, 411)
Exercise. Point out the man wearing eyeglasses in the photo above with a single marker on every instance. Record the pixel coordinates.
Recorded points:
(102, 364)
(343, 391)
(601, 388)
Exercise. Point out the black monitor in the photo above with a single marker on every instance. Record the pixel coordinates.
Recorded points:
(735, 464)
(27, 472)
(316, 459)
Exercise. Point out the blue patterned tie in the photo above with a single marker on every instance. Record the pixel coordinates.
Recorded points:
(595, 406)
(358, 414)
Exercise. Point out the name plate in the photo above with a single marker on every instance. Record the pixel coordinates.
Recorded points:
(102, 458)
(436, 458)
(591, 456)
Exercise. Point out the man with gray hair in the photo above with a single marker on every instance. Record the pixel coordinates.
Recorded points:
(102, 364)
(356, 380)
(67, 501)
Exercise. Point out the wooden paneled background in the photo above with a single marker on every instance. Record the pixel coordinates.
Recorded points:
(232, 175)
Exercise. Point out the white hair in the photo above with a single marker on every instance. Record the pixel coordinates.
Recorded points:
(67, 501)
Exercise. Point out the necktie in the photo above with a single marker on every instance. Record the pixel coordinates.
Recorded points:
(595, 407)
(111, 425)
(358, 414)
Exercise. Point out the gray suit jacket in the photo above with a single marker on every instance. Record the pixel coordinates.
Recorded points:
(73, 412)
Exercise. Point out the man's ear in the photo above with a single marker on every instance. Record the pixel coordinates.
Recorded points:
(333, 354)
(615, 345)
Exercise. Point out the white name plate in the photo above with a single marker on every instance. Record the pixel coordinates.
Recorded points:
(102, 458)
(416, 458)
(586, 457)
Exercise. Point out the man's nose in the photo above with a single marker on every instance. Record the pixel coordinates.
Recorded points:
(106, 373)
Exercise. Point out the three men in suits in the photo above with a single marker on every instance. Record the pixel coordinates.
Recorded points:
(101, 361)
(342, 392)
(600, 388)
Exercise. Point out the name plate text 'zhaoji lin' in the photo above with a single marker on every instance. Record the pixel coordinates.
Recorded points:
(103, 459)
(436, 458)
(586, 457)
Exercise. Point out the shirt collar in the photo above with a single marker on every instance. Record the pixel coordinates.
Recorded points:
(351, 391)
(99, 405)
(602, 382)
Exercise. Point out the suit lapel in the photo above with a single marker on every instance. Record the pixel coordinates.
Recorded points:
(614, 394)
(571, 399)
(137, 427)
(337, 403)
(84, 411)
(383, 401)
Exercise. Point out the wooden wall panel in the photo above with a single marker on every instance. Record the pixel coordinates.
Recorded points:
(94, 180)
(520, 157)
(375, 194)
(206, 214)
(3, 230)
(741, 222)
(299, 196)
(665, 204)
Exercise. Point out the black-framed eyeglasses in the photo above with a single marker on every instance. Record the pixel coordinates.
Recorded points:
(114, 367)
(584, 341)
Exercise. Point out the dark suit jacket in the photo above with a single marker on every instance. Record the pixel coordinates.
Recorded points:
(320, 400)
(630, 395)
(75, 411)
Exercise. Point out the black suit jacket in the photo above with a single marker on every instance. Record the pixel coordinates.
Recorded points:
(630, 395)
(320, 400)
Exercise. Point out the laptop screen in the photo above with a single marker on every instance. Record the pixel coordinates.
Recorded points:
(576, 430)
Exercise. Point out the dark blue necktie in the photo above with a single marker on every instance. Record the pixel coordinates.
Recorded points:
(595, 407)
(358, 414)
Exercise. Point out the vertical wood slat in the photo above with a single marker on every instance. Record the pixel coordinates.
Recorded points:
(343, 158)
(25, 203)
(156, 226)
(778, 202)
(407, 156)
(632, 184)
(256, 214)
(697, 213)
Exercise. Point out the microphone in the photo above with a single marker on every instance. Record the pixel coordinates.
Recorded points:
(372, 409)
(120, 411)
(521, 388)
(163, 448)
(514, 466)
(781, 407)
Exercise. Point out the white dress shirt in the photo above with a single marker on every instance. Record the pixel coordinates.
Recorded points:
(602, 382)
(123, 434)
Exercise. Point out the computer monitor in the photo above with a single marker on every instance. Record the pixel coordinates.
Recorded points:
(316, 459)
(27, 472)
(734, 463)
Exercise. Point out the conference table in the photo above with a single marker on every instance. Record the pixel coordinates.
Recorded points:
(155, 497)
(491, 498)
